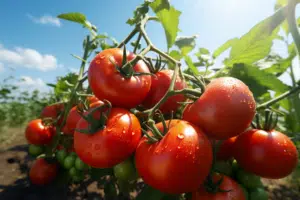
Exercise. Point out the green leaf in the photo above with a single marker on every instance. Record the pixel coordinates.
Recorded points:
(186, 44)
(148, 193)
(175, 54)
(257, 80)
(224, 47)
(279, 68)
(292, 50)
(204, 51)
(188, 60)
(256, 44)
(139, 13)
(159, 5)
(74, 17)
(169, 17)
(280, 4)
(62, 86)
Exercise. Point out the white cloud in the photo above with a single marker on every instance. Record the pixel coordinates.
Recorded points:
(29, 84)
(45, 19)
(1, 67)
(29, 58)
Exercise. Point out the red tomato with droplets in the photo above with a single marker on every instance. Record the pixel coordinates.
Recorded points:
(226, 149)
(235, 192)
(42, 172)
(112, 145)
(160, 84)
(269, 154)
(179, 162)
(107, 83)
(224, 110)
(38, 134)
(53, 111)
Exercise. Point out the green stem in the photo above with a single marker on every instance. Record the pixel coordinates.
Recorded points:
(278, 98)
(137, 43)
(128, 38)
(293, 27)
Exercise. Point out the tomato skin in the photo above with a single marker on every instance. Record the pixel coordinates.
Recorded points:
(224, 110)
(42, 172)
(236, 192)
(269, 154)
(179, 162)
(107, 83)
(112, 145)
(38, 134)
(226, 149)
(53, 111)
(72, 119)
(160, 83)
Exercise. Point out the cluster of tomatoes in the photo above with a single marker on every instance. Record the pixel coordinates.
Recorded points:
(210, 151)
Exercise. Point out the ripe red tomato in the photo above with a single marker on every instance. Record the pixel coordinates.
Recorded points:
(226, 149)
(107, 83)
(112, 145)
(234, 191)
(53, 111)
(179, 162)
(38, 134)
(72, 119)
(160, 83)
(269, 154)
(224, 110)
(42, 172)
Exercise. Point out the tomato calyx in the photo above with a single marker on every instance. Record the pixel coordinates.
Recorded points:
(158, 64)
(126, 69)
(96, 123)
(270, 121)
(214, 187)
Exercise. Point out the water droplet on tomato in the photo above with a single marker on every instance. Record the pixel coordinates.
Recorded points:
(178, 147)
(197, 148)
(102, 57)
(180, 136)
(98, 62)
(133, 133)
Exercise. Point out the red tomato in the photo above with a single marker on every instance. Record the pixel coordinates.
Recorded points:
(66, 131)
(235, 191)
(224, 110)
(226, 149)
(179, 162)
(112, 145)
(72, 119)
(160, 83)
(269, 154)
(42, 172)
(38, 134)
(53, 111)
(92, 99)
(107, 83)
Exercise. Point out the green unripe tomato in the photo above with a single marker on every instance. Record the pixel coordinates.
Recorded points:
(77, 178)
(248, 180)
(80, 165)
(69, 162)
(223, 167)
(35, 150)
(258, 194)
(73, 172)
(125, 171)
(60, 156)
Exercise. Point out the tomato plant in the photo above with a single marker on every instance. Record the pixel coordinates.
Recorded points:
(231, 190)
(183, 150)
(53, 112)
(259, 150)
(225, 109)
(111, 145)
(42, 172)
(119, 90)
(38, 134)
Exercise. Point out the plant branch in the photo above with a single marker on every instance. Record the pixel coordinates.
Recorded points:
(278, 98)
(137, 43)
(128, 38)
(293, 27)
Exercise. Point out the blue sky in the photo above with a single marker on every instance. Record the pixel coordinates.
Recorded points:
(38, 46)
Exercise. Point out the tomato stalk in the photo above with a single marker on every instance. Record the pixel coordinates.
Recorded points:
(279, 98)
(293, 26)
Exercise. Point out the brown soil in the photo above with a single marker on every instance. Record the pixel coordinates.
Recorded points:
(14, 183)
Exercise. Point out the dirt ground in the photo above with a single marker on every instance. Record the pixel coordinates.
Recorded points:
(14, 183)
